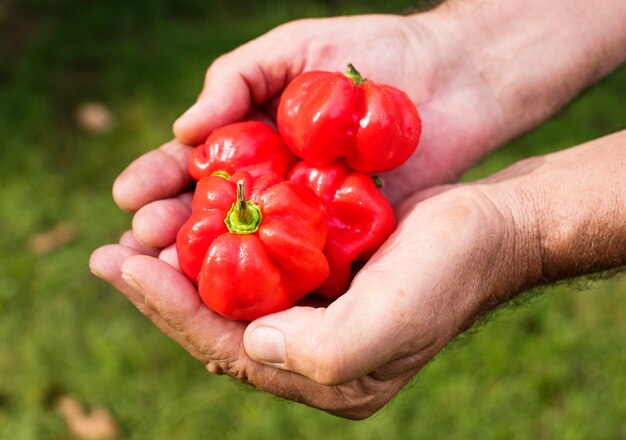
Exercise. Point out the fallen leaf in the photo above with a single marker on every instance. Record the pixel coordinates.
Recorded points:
(94, 118)
(98, 424)
(46, 241)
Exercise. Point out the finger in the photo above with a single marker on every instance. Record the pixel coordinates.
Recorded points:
(358, 333)
(175, 299)
(399, 305)
(238, 81)
(128, 239)
(157, 223)
(170, 256)
(159, 174)
(106, 263)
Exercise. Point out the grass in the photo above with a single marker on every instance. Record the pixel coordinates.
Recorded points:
(550, 368)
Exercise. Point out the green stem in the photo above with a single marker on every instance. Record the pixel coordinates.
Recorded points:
(241, 210)
(221, 173)
(378, 181)
(244, 217)
(354, 75)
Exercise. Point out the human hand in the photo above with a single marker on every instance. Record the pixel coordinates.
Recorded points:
(351, 357)
(406, 52)
(454, 256)
(465, 67)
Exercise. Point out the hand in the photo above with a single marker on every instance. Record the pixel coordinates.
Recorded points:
(453, 257)
(407, 52)
(465, 67)
(352, 357)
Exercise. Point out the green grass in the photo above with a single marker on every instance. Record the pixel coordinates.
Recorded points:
(550, 368)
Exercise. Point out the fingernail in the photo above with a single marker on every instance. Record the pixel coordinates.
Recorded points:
(130, 280)
(267, 345)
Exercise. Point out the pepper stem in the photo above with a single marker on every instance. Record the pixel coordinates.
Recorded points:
(354, 75)
(244, 217)
(241, 210)
(378, 181)
(221, 173)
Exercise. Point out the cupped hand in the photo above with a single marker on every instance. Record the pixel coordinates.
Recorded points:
(429, 282)
(458, 251)
(418, 54)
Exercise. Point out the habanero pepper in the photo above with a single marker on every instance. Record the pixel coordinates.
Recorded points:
(360, 218)
(250, 146)
(253, 246)
(323, 116)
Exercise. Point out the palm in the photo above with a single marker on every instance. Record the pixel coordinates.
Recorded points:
(442, 83)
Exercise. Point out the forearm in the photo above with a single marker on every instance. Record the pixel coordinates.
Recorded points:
(568, 210)
(537, 55)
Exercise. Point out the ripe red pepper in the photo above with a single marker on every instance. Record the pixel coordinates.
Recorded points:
(253, 246)
(323, 116)
(360, 218)
(249, 146)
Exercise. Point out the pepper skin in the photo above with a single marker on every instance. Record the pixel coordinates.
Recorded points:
(253, 246)
(250, 146)
(323, 116)
(360, 218)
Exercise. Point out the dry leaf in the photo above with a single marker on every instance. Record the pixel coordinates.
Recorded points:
(98, 424)
(94, 117)
(51, 239)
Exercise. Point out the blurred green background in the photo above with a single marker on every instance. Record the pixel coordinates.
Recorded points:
(550, 368)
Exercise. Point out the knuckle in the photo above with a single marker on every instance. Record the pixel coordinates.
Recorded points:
(213, 368)
(237, 370)
(360, 399)
(328, 365)
(151, 304)
(219, 64)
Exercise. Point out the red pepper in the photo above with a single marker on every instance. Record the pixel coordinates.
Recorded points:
(323, 116)
(360, 218)
(249, 146)
(253, 246)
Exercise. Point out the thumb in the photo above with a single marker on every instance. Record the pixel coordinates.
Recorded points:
(419, 290)
(236, 82)
(224, 99)
(383, 317)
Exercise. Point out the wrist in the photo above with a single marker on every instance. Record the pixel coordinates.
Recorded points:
(566, 212)
(579, 208)
(509, 222)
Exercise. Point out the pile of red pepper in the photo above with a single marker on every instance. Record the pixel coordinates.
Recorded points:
(267, 228)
